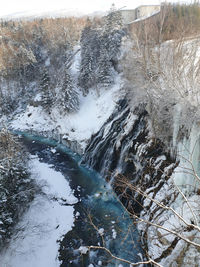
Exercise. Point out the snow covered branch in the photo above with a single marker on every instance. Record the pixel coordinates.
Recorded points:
(150, 261)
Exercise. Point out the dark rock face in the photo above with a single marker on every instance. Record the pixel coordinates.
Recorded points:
(123, 150)
(137, 165)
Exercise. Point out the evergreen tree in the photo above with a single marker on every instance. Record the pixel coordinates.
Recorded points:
(90, 52)
(111, 37)
(16, 186)
(68, 97)
(105, 71)
(100, 50)
(47, 97)
(113, 21)
(112, 33)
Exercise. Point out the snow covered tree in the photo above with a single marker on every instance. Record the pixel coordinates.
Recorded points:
(113, 20)
(45, 80)
(111, 36)
(68, 96)
(47, 97)
(16, 186)
(100, 50)
(90, 52)
(105, 71)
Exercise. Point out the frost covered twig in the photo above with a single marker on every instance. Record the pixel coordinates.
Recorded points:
(96, 228)
(124, 260)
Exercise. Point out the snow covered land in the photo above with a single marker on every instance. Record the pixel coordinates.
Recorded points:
(48, 218)
(94, 110)
(65, 97)
(130, 106)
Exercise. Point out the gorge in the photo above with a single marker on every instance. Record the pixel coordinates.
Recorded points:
(112, 112)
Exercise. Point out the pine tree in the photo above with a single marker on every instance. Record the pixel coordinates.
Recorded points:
(111, 37)
(113, 32)
(113, 21)
(16, 186)
(105, 71)
(47, 97)
(90, 52)
(68, 97)
(100, 50)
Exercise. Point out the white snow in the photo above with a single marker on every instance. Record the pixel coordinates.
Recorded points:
(101, 231)
(55, 183)
(77, 214)
(75, 67)
(53, 150)
(47, 62)
(190, 256)
(94, 111)
(83, 249)
(188, 151)
(38, 97)
(45, 222)
(127, 128)
(114, 233)
(159, 239)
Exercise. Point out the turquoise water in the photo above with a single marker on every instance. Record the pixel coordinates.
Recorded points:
(98, 209)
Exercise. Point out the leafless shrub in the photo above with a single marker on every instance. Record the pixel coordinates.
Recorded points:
(164, 74)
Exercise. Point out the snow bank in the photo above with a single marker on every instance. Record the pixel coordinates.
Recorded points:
(94, 111)
(46, 221)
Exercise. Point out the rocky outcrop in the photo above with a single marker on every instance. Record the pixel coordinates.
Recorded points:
(138, 166)
(125, 148)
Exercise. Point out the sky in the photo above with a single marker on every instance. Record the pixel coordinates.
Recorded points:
(9, 7)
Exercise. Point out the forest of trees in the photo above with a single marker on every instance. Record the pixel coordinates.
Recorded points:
(35, 58)
(100, 50)
(17, 189)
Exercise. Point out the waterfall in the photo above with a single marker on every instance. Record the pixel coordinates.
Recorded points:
(123, 147)
(188, 152)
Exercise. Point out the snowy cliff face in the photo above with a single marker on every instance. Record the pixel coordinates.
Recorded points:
(143, 173)
(124, 147)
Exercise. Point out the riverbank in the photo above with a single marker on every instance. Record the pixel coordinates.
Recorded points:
(76, 129)
(49, 217)
(59, 220)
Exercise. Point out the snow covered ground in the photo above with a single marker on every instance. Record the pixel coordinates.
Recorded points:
(45, 222)
(94, 111)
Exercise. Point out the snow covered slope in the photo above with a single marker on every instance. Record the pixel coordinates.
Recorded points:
(94, 111)
(35, 244)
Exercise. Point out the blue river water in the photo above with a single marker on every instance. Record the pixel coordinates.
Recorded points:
(100, 217)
